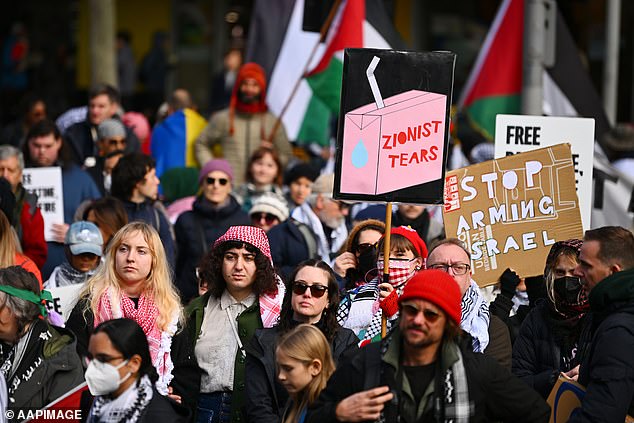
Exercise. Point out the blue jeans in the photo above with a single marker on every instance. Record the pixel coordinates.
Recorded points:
(214, 407)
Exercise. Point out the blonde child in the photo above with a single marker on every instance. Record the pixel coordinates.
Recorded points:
(304, 364)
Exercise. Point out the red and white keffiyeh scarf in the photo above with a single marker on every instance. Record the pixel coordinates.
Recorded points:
(145, 314)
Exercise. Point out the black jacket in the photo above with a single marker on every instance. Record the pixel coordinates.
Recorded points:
(494, 392)
(265, 397)
(607, 371)
(288, 246)
(82, 138)
(196, 231)
(186, 382)
(537, 349)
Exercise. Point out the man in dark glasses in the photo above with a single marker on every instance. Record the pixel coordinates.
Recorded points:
(425, 370)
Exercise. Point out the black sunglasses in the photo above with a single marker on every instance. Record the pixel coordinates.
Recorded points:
(316, 290)
(365, 247)
(268, 218)
(412, 310)
(221, 181)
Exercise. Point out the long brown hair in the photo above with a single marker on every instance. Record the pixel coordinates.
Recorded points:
(7, 242)
(305, 344)
(257, 155)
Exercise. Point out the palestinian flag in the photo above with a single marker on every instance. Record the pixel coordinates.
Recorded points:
(495, 83)
(173, 140)
(278, 42)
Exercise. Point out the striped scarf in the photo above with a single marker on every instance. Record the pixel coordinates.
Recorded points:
(475, 317)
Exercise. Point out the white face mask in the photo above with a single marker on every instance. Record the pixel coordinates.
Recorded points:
(103, 378)
(107, 182)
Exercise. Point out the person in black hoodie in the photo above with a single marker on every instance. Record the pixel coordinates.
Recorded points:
(135, 183)
(213, 212)
(312, 296)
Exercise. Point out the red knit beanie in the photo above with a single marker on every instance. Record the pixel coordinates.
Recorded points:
(436, 287)
(413, 237)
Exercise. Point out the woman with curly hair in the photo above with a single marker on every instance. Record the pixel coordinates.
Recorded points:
(135, 282)
(243, 294)
(312, 296)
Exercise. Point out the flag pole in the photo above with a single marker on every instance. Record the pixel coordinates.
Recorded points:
(386, 259)
(322, 36)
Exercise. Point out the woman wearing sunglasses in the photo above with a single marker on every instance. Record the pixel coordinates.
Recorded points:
(213, 212)
(269, 209)
(356, 264)
(362, 308)
(312, 296)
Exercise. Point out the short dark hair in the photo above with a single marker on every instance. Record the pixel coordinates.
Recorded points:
(129, 171)
(329, 324)
(45, 128)
(105, 89)
(616, 245)
(129, 339)
(210, 269)
(24, 311)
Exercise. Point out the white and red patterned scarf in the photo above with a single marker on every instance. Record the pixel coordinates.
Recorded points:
(271, 305)
(145, 314)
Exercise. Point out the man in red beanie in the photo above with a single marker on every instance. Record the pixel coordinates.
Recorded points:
(424, 372)
(236, 132)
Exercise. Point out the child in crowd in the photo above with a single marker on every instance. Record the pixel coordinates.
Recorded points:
(304, 364)
(264, 174)
(83, 248)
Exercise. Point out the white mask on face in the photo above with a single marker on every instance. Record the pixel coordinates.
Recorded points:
(107, 182)
(103, 378)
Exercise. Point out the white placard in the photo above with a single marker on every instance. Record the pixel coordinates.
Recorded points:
(64, 299)
(46, 183)
(520, 133)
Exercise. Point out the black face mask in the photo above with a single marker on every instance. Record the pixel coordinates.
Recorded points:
(568, 289)
(366, 261)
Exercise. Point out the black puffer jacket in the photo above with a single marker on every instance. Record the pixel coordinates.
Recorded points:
(537, 349)
(196, 231)
(265, 397)
(607, 371)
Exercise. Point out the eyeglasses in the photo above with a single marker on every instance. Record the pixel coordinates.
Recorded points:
(365, 247)
(342, 206)
(458, 269)
(102, 359)
(316, 290)
(411, 310)
(268, 218)
(221, 181)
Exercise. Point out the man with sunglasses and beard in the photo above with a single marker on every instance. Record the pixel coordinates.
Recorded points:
(213, 212)
(424, 371)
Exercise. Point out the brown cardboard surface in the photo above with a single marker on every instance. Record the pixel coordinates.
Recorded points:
(511, 210)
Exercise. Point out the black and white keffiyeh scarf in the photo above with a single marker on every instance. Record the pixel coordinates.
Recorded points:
(127, 407)
(475, 317)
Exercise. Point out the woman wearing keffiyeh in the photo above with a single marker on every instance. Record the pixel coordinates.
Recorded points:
(555, 334)
(135, 282)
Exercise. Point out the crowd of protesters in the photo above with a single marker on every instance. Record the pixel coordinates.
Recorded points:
(238, 289)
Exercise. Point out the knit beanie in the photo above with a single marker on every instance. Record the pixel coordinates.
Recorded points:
(110, 128)
(273, 203)
(413, 237)
(249, 234)
(436, 287)
(572, 246)
(213, 165)
(301, 170)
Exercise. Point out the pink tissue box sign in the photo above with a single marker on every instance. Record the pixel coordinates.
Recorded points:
(394, 147)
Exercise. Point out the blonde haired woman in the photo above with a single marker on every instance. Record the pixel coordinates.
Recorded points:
(135, 282)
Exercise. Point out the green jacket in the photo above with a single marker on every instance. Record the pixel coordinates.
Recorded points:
(248, 321)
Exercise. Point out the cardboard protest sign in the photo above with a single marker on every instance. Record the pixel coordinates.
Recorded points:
(393, 125)
(46, 183)
(519, 133)
(64, 298)
(565, 397)
(510, 211)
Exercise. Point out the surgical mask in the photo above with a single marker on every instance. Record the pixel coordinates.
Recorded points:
(567, 289)
(107, 182)
(103, 378)
(400, 271)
